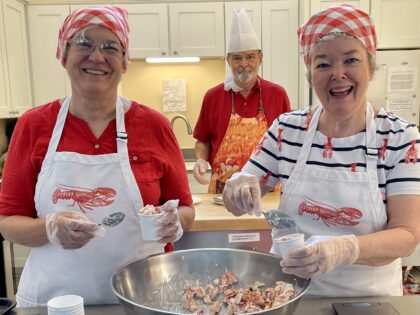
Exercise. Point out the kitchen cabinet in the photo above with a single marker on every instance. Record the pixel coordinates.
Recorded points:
(15, 94)
(318, 5)
(4, 75)
(149, 29)
(402, 32)
(397, 23)
(280, 45)
(176, 29)
(49, 78)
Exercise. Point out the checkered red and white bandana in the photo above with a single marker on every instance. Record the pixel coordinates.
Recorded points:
(110, 17)
(343, 18)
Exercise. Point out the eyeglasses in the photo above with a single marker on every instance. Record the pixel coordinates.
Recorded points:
(87, 46)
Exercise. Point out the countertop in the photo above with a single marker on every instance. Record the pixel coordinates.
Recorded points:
(210, 216)
(405, 305)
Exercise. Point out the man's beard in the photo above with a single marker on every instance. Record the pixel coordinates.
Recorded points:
(245, 76)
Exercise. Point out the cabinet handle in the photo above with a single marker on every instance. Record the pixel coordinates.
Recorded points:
(163, 53)
(175, 52)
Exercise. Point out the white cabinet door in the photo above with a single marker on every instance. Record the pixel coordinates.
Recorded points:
(5, 106)
(49, 78)
(280, 45)
(17, 56)
(397, 23)
(149, 28)
(197, 29)
(318, 5)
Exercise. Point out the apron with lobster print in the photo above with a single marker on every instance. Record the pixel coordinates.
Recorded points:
(329, 202)
(241, 137)
(102, 187)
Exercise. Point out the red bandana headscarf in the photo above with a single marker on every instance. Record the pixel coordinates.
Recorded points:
(111, 17)
(343, 18)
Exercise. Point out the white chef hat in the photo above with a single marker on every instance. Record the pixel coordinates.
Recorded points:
(242, 34)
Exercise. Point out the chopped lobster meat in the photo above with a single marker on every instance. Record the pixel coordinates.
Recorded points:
(253, 298)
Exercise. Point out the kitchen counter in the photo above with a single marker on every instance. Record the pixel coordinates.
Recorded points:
(405, 305)
(215, 227)
(210, 216)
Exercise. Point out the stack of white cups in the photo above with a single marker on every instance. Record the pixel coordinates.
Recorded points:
(66, 305)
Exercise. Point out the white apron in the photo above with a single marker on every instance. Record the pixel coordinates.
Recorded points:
(103, 187)
(330, 202)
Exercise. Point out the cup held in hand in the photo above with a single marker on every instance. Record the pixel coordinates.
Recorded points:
(148, 227)
(282, 245)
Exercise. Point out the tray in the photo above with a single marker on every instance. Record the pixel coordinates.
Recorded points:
(6, 305)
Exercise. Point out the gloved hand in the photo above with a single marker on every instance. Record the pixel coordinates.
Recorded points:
(242, 194)
(199, 170)
(320, 255)
(168, 227)
(71, 229)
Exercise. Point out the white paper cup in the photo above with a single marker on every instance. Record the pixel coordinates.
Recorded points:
(282, 245)
(148, 227)
(66, 305)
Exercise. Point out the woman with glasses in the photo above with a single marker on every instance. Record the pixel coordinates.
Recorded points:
(80, 168)
(350, 173)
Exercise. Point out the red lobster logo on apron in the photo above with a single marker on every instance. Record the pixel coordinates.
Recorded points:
(86, 198)
(330, 215)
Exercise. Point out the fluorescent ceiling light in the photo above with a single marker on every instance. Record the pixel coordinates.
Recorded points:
(173, 59)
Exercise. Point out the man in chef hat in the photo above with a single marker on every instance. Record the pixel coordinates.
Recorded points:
(236, 114)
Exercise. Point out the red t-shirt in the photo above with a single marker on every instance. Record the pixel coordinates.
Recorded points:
(217, 107)
(155, 157)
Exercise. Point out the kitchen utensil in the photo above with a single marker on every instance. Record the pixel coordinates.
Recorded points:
(155, 284)
(218, 200)
(196, 200)
(279, 219)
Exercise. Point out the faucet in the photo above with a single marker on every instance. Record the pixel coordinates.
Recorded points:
(184, 119)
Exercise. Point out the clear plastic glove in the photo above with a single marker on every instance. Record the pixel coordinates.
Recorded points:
(320, 255)
(200, 168)
(242, 194)
(168, 227)
(71, 229)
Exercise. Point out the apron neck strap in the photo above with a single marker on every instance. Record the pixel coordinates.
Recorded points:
(371, 147)
(260, 101)
(61, 119)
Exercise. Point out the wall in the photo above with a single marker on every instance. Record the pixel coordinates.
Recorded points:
(143, 83)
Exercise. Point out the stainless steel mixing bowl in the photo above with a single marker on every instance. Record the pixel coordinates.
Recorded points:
(155, 285)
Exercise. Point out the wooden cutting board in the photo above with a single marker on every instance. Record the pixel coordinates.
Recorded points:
(210, 216)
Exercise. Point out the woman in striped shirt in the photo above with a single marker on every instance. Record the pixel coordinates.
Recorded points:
(350, 174)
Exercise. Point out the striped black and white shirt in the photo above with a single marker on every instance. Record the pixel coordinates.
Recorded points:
(398, 144)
